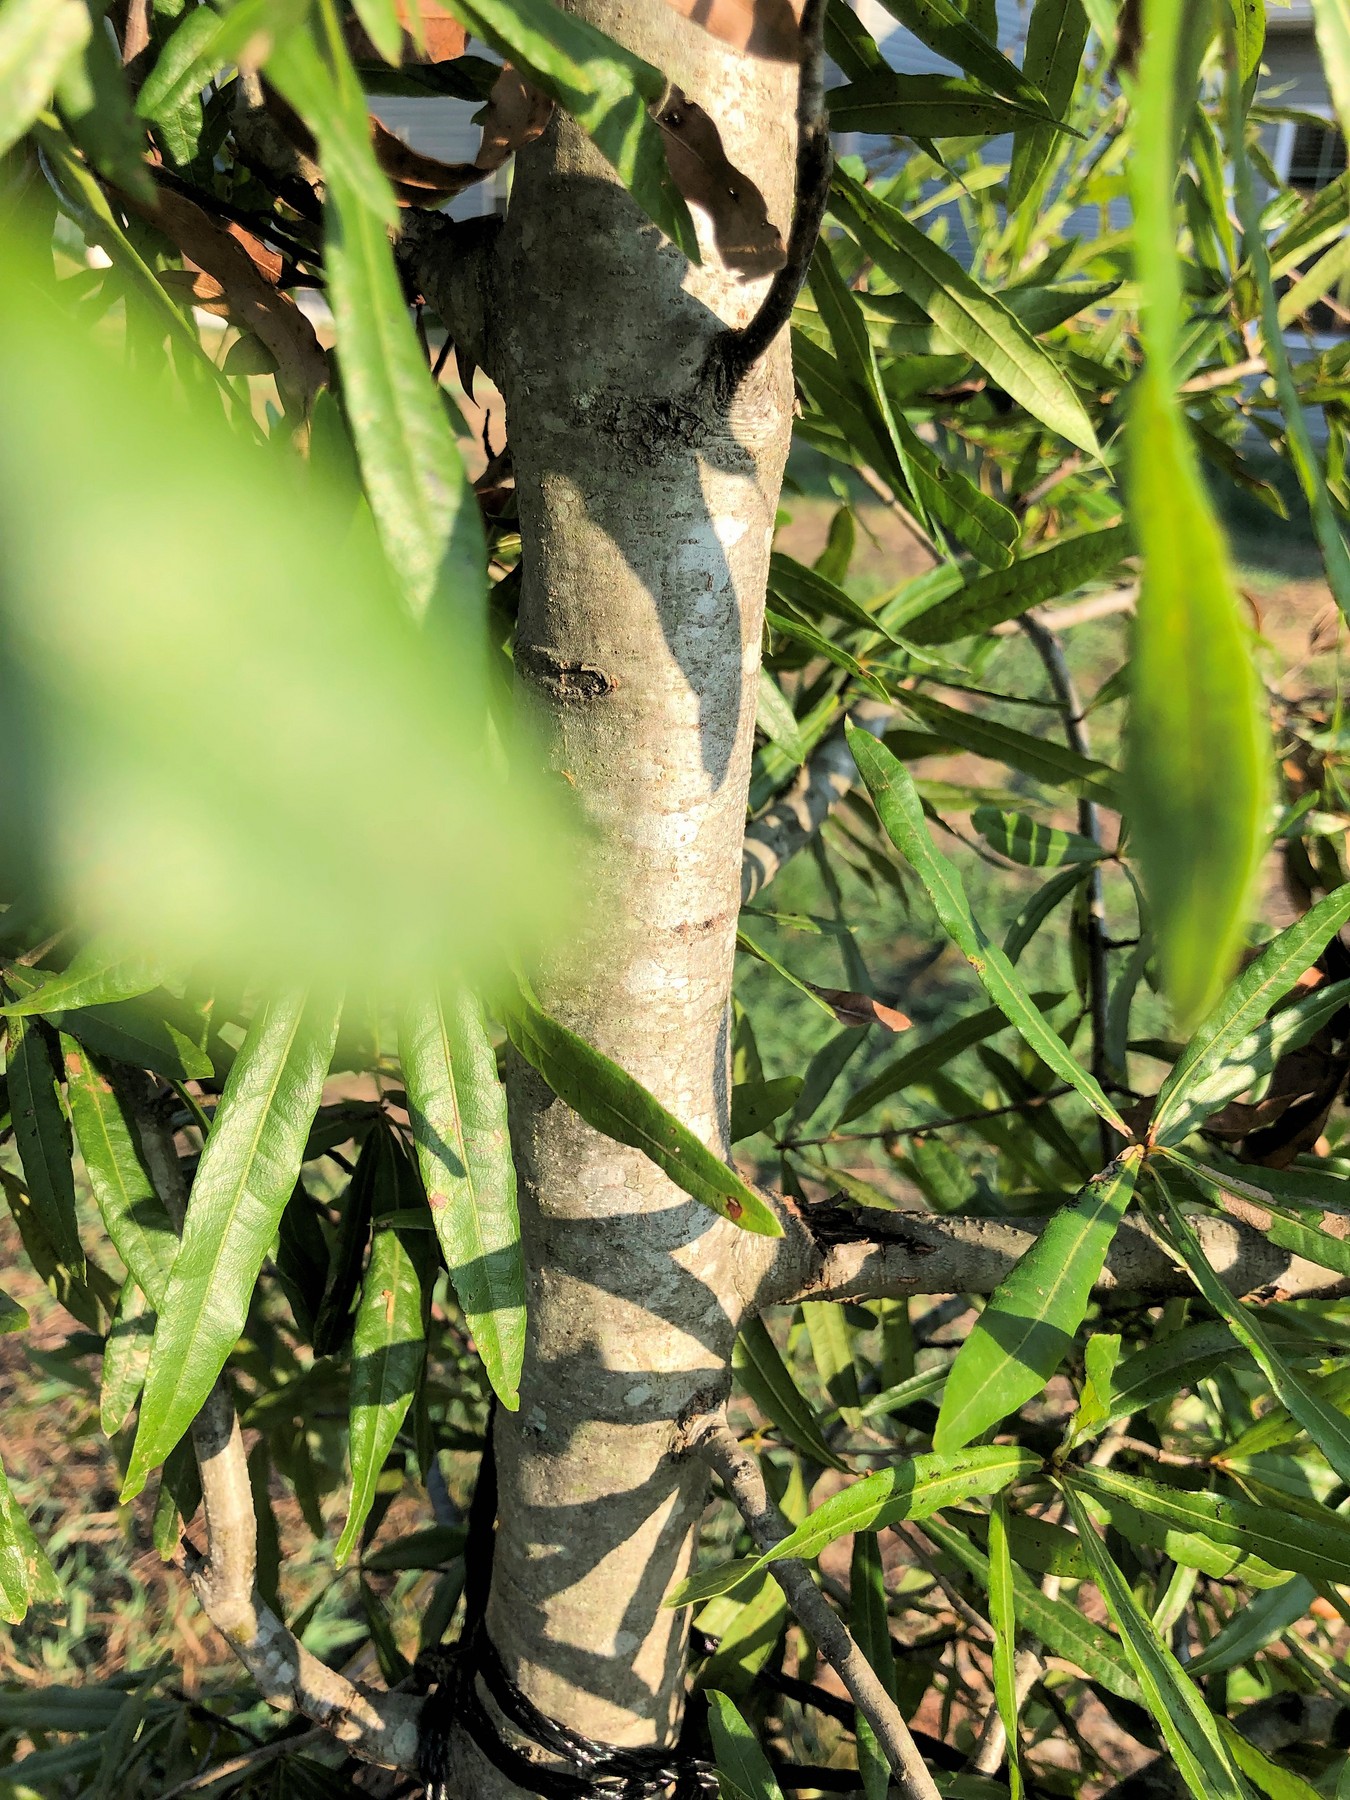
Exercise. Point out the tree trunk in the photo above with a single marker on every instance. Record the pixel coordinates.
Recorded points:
(647, 510)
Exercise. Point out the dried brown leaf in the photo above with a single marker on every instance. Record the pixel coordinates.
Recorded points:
(851, 1008)
(228, 280)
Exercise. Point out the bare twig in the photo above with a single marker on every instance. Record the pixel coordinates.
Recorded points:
(1089, 825)
(735, 353)
(256, 1758)
(710, 1438)
(888, 1132)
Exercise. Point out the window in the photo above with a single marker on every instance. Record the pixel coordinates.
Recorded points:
(1316, 157)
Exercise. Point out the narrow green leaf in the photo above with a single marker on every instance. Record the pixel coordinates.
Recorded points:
(1333, 40)
(611, 93)
(872, 1634)
(914, 1489)
(151, 1032)
(388, 1343)
(1327, 1427)
(13, 1317)
(775, 718)
(1060, 1626)
(974, 319)
(457, 1107)
(246, 1175)
(814, 592)
(43, 1137)
(428, 517)
(1306, 1226)
(1198, 751)
(935, 1053)
(1319, 1549)
(756, 1104)
(38, 39)
(764, 1375)
(1030, 842)
(1249, 25)
(1042, 758)
(1253, 1626)
(133, 1213)
(1056, 38)
(1041, 575)
(126, 1356)
(832, 1354)
(206, 41)
(26, 1577)
(925, 106)
(898, 806)
(1026, 1330)
(93, 979)
(95, 103)
(1270, 1777)
(1094, 1405)
(986, 527)
(1003, 1618)
(1187, 1725)
(1254, 1056)
(1244, 1004)
(743, 1771)
(946, 27)
(613, 1103)
(381, 23)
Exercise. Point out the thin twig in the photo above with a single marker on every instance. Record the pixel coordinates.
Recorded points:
(735, 353)
(247, 1759)
(1089, 825)
(710, 1438)
(1031, 1102)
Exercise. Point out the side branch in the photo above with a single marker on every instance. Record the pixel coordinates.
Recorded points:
(797, 814)
(734, 354)
(711, 1439)
(840, 1254)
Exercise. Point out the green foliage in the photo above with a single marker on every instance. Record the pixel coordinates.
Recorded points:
(255, 630)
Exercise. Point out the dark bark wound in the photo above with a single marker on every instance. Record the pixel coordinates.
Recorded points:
(561, 679)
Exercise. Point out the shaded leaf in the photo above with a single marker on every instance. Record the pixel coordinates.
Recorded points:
(43, 1137)
(38, 39)
(247, 1172)
(613, 1103)
(1243, 1005)
(1025, 1331)
(743, 1771)
(133, 1213)
(900, 811)
(1187, 1725)
(457, 1107)
(388, 1342)
(764, 1375)
(971, 317)
(1046, 574)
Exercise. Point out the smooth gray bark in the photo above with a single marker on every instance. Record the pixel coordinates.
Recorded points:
(647, 510)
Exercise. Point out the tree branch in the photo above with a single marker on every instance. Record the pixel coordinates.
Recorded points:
(450, 262)
(735, 353)
(797, 814)
(710, 1438)
(858, 1254)
(378, 1727)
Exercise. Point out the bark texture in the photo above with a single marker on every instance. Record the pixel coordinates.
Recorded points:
(647, 509)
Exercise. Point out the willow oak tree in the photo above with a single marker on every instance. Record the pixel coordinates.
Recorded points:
(1038, 412)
